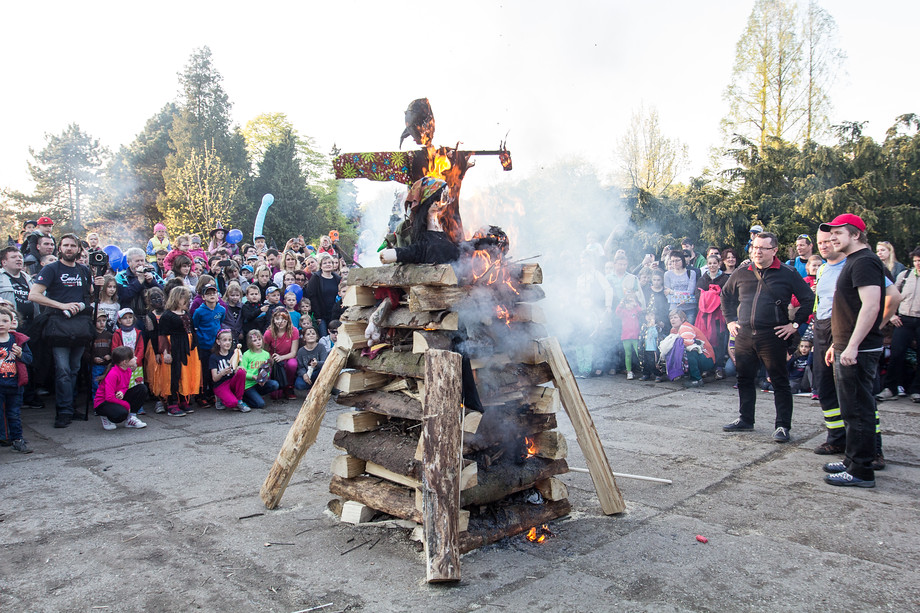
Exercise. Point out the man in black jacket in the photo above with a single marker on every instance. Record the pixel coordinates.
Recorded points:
(755, 302)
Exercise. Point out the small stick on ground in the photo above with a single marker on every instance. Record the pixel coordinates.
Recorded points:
(250, 516)
(355, 547)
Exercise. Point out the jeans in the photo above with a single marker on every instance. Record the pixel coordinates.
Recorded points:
(66, 369)
(857, 407)
(824, 384)
(697, 364)
(117, 413)
(900, 342)
(253, 395)
(752, 348)
(10, 405)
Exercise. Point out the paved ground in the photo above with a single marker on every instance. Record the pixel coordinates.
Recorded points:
(150, 520)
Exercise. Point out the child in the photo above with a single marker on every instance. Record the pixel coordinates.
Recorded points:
(195, 251)
(290, 304)
(233, 318)
(127, 335)
(229, 382)
(281, 341)
(114, 402)
(628, 311)
(254, 312)
(257, 384)
(156, 373)
(108, 300)
(159, 242)
(649, 338)
(259, 244)
(179, 345)
(330, 339)
(310, 359)
(263, 280)
(207, 322)
(15, 356)
(339, 307)
(182, 247)
(102, 349)
(306, 311)
(273, 300)
(799, 366)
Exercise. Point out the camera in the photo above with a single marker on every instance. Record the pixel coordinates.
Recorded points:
(225, 263)
(99, 261)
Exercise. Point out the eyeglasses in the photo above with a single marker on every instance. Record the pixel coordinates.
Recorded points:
(757, 248)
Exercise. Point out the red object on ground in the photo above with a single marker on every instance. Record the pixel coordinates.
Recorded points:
(702, 538)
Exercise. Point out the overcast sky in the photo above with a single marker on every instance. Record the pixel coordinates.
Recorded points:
(562, 78)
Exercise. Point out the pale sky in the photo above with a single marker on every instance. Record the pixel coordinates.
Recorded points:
(562, 77)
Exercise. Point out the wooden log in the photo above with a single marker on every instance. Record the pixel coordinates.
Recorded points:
(396, 385)
(356, 295)
(508, 477)
(384, 473)
(401, 363)
(388, 448)
(542, 400)
(442, 447)
(552, 489)
(491, 361)
(505, 521)
(526, 312)
(511, 378)
(530, 353)
(303, 431)
(551, 445)
(356, 512)
(585, 433)
(471, 422)
(528, 274)
(359, 421)
(392, 404)
(352, 381)
(379, 494)
(347, 466)
(423, 340)
(427, 298)
(531, 293)
(404, 275)
(499, 428)
(351, 335)
(402, 317)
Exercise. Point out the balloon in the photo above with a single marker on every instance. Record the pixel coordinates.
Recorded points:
(296, 289)
(114, 254)
(267, 201)
(119, 264)
(234, 236)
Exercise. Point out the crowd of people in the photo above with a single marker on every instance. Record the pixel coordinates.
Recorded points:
(184, 323)
(840, 326)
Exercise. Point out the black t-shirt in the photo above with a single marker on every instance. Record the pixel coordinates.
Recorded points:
(21, 291)
(330, 289)
(862, 269)
(219, 362)
(8, 362)
(65, 283)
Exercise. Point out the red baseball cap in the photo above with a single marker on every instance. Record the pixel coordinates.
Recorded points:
(45, 221)
(843, 220)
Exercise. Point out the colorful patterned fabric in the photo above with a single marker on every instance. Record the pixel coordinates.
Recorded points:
(380, 166)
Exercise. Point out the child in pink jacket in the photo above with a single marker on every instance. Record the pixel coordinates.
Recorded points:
(114, 402)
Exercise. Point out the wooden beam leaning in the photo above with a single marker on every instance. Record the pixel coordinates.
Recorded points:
(303, 432)
(442, 447)
(585, 433)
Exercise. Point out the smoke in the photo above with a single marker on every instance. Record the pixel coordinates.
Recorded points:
(378, 203)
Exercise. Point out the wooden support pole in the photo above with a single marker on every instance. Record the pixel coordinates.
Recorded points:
(442, 446)
(304, 430)
(585, 433)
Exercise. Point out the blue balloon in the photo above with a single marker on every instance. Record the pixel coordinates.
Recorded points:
(114, 254)
(296, 289)
(234, 236)
(119, 264)
(267, 201)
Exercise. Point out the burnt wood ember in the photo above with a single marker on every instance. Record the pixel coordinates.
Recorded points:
(502, 521)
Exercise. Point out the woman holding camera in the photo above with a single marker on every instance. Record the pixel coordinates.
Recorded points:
(132, 282)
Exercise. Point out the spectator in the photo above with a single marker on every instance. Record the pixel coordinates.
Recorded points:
(15, 356)
(729, 260)
(14, 289)
(179, 348)
(229, 381)
(804, 249)
(754, 231)
(183, 244)
(207, 320)
(195, 251)
(330, 339)
(44, 247)
(885, 251)
(108, 300)
(649, 338)
(256, 362)
(694, 259)
(281, 340)
(322, 291)
(138, 277)
(697, 349)
(116, 400)
(32, 251)
(799, 365)
(680, 285)
(906, 332)
(182, 270)
(593, 305)
(710, 319)
(158, 242)
(310, 359)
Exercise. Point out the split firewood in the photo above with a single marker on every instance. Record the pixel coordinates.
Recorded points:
(551, 445)
(405, 275)
(423, 340)
(351, 335)
(389, 363)
(356, 295)
(347, 466)
(552, 489)
(392, 404)
(404, 318)
(352, 381)
(359, 421)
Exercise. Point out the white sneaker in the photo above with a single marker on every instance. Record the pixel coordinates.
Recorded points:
(630, 376)
(242, 407)
(134, 422)
(160, 407)
(218, 405)
(885, 394)
(901, 391)
(106, 424)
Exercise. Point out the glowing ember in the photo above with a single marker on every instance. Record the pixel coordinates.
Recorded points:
(538, 535)
(531, 446)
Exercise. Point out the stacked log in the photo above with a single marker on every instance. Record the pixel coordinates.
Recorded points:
(413, 450)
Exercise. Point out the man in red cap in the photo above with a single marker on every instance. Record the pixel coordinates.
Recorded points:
(859, 304)
(30, 251)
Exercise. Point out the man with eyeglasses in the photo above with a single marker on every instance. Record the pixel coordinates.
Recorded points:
(805, 249)
(755, 303)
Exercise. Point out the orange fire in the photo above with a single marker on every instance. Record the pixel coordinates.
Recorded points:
(535, 536)
(531, 446)
(502, 313)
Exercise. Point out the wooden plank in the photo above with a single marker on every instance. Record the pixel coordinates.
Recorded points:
(469, 476)
(303, 431)
(377, 470)
(352, 381)
(359, 421)
(379, 494)
(442, 448)
(404, 275)
(392, 404)
(356, 295)
(552, 489)
(530, 274)
(356, 512)
(351, 335)
(399, 363)
(551, 445)
(423, 340)
(403, 318)
(526, 312)
(542, 400)
(605, 484)
(471, 421)
(347, 466)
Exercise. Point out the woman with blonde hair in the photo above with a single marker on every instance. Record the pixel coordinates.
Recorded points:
(885, 251)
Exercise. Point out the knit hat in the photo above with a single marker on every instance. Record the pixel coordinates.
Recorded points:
(159, 227)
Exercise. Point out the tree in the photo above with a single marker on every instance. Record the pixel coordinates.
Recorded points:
(649, 160)
(206, 192)
(821, 62)
(66, 173)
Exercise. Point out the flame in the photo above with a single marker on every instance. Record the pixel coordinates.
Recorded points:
(531, 447)
(538, 537)
(503, 314)
(438, 163)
